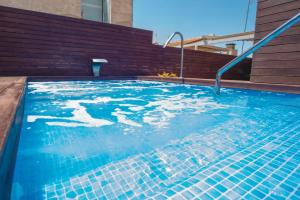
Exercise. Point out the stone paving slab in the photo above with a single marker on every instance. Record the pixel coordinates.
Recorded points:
(11, 90)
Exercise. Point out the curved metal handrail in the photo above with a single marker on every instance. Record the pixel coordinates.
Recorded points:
(182, 50)
(255, 47)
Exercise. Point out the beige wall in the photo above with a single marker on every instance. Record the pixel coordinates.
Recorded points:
(121, 12)
(71, 8)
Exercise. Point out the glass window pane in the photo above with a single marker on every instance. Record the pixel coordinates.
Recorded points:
(92, 10)
(105, 11)
(92, 2)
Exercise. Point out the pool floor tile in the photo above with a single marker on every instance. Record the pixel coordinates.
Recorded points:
(216, 164)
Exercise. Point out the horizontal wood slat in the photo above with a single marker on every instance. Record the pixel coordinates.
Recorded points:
(39, 44)
(287, 80)
(269, 27)
(278, 61)
(275, 72)
(276, 64)
(283, 48)
(285, 6)
(277, 56)
(271, 3)
(277, 17)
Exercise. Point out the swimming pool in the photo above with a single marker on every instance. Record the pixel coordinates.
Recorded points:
(156, 140)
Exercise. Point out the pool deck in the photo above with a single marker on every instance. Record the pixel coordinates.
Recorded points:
(11, 90)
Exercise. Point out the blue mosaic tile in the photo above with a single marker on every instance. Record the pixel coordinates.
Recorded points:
(247, 155)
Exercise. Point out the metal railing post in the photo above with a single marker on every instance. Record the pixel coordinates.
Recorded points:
(255, 47)
(182, 50)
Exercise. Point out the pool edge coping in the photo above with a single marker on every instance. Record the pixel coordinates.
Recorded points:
(11, 129)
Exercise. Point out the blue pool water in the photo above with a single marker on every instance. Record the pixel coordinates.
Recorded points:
(151, 140)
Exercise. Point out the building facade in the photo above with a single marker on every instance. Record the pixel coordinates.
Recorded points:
(211, 43)
(110, 11)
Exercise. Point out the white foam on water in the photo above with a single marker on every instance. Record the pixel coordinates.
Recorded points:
(136, 108)
(122, 118)
(82, 118)
(50, 87)
(132, 107)
(80, 115)
(130, 87)
(66, 124)
(33, 118)
(161, 88)
(164, 109)
(157, 113)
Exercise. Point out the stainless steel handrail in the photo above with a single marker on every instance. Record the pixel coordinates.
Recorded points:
(255, 47)
(182, 50)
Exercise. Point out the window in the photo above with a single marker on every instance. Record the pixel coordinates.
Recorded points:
(95, 10)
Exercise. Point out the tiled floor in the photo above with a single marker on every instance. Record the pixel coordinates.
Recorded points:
(268, 169)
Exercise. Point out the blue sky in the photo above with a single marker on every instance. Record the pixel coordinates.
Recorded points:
(192, 17)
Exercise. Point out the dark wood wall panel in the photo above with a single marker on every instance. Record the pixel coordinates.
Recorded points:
(277, 62)
(39, 44)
